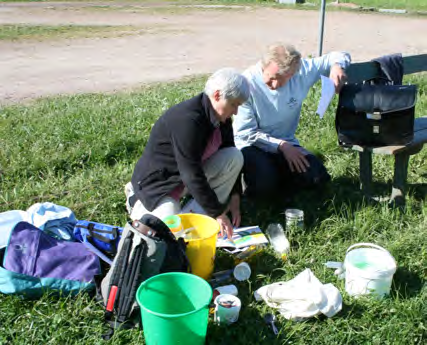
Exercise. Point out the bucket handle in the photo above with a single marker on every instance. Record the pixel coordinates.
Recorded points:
(371, 245)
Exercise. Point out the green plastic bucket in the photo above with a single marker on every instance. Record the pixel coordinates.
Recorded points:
(174, 308)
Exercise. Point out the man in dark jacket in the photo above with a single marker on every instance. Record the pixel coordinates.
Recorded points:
(191, 151)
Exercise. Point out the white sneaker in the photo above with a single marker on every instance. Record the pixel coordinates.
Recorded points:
(129, 192)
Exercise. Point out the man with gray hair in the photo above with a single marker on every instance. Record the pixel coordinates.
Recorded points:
(265, 126)
(191, 150)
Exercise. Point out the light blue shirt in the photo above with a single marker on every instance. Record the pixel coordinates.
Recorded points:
(270, 116)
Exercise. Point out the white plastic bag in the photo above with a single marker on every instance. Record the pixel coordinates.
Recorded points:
(302, 297)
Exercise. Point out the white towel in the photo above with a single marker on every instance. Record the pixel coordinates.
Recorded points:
(302, 297)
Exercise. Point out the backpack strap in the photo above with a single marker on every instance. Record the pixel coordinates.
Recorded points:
(101, 238)
(116, 286)
(182, 248)
(162, 230)
(97, 252)
(91, 227)
(118, 274)
(178, 260)
(95, 233)
(122, 313)
(132, 281)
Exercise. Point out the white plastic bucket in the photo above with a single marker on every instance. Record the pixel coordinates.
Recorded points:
(369, 269)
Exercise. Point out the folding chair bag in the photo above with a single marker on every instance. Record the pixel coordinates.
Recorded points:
(33, 263)
(147, 248)
(376, 115)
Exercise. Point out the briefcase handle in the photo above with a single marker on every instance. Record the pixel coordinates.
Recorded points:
(378, 81)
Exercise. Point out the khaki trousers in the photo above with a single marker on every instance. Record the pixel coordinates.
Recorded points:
(221, 170)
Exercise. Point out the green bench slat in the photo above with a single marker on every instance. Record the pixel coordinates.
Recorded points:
(360, 71)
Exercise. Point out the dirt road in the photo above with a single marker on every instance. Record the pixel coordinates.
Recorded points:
(176, 42)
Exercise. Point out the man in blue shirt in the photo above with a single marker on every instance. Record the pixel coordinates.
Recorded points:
(265, 125)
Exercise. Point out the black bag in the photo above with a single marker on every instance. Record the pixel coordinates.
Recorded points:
(147, 248)
(375, 115)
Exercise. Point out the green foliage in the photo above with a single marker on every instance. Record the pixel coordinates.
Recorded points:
(399, 4)
(390, 4)
(79, 151)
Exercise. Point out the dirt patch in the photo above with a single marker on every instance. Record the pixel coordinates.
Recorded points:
(186, 42)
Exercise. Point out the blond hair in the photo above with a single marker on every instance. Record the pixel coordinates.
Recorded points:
(284, 55)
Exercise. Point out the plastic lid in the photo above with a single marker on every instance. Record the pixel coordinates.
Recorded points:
(294, 213)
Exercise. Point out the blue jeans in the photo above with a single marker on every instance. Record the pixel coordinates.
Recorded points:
(268, 174)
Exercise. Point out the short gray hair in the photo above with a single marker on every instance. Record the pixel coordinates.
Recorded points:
(230, 83)
(284, 55)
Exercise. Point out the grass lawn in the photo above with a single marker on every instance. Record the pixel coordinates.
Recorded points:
(20, 32)
(79, 151)
(410, 5)
(400, 4)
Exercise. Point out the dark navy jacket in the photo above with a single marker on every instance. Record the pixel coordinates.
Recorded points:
(173, 155)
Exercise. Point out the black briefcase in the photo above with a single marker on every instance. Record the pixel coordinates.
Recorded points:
(375, 115)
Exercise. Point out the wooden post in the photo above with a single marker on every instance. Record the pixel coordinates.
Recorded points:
(365, 160)
(401, 161)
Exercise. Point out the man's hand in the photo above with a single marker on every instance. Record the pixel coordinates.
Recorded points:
(296, 159)
(225, 225)
(338, 76)
(234, 207)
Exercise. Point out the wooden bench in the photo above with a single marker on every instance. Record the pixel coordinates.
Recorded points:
(401, 160)
(362, 71)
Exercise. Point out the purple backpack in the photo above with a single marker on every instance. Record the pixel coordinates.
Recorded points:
(34, 262)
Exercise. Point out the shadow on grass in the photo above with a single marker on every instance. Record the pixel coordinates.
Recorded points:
(342, 196)
(418, 190)
(249, 329)
(120, 150)
(321, 203)
(317, 204)
(353, 311)
(406, 284)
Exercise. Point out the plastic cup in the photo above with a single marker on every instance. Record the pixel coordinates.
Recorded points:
(227, 290)
(224, 290)
(242, 272)
(227, 309)
(174, 224)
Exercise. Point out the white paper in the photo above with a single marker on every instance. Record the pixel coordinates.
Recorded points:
(192, 206)
(328, 92)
